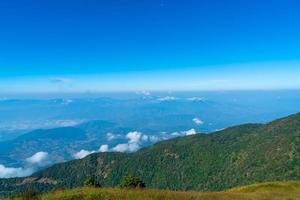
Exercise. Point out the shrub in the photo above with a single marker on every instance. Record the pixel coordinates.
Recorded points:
(131, 181)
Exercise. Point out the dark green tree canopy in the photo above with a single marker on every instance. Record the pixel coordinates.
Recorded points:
(91, 182)
(132, 181)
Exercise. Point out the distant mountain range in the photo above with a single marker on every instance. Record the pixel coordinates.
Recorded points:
(232, 157)
(68, 128)
(168, 111)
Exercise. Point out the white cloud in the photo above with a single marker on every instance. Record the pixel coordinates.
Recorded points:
(195, 99)
(184, 133)
(121, 147)
(104, 148)
(34, 161)
(133, 147)
(39, 158)
(9, 172)
(65, 123)
(167, 98)
(135, 139)
(198, 121)
(83, 153)
(134, 136)
(127, 147)
(190, 132)
(111, 136)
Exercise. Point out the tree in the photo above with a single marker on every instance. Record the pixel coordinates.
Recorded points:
(131, 181)
(91, 182)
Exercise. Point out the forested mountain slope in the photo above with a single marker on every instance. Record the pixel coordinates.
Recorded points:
(236, 156)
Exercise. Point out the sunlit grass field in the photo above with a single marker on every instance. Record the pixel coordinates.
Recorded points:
(265, 191)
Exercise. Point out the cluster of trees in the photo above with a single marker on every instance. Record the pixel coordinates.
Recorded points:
(132, 181)
(129, 181)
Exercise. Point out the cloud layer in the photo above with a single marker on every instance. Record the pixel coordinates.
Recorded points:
(35, 161)
(135, 141)
(10, 172)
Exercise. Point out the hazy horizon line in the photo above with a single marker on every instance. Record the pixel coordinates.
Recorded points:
(12, 95)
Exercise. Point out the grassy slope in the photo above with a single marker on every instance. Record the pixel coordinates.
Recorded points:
(265, 191)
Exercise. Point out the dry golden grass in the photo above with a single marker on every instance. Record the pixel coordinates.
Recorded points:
(265, 191)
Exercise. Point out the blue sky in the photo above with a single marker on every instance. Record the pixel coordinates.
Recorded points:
(118, 45)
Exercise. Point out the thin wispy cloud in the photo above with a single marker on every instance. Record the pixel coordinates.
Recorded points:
(36, 124)
(60, 80)
(195, 99)
(198, 121)
(167, 98)
(111, 136)
(10, 172)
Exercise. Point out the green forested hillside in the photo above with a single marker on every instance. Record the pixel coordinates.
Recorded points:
(233, 157)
